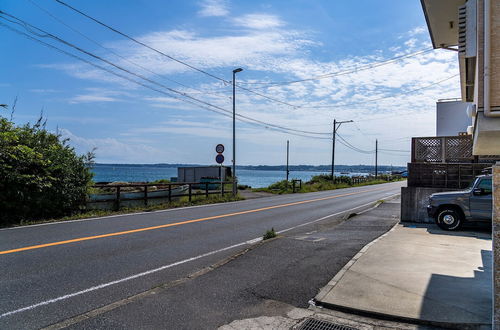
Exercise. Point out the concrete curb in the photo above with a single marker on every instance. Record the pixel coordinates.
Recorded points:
(317, 301)
(329, 287)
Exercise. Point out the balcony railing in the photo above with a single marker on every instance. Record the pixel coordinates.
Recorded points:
(443, 149)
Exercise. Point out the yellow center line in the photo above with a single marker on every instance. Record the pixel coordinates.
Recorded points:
(126, 232)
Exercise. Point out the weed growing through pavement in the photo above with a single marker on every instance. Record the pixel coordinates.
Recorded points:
(269, 234)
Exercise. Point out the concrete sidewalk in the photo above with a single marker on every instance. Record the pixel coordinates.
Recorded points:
(418, 273)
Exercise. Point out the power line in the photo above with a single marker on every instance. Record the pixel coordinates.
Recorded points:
(350, 146)
(340, 73)
(381, 98)
(118, 55)
(187, 64)
(141, 43)
(227, 112)
(171, 57)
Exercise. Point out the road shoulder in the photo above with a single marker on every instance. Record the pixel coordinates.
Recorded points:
(289, 270)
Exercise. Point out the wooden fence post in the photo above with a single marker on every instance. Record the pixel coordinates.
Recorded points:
(146, 195)
(170, 193)
(206, 190)
(190, 192)
(118, 198)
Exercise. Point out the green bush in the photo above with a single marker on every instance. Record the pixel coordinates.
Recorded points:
(161, 181)
(41, 176)
(269, 234)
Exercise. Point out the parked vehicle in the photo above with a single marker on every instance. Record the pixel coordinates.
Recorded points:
(452, 209)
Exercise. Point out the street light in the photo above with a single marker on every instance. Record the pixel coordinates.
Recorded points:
(234, 130)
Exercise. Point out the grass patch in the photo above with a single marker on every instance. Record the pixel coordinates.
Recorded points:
(323, 182)
(182, 202)
(269, 234)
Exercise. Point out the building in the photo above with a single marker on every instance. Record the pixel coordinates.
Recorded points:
(472, 29)
(196, 173)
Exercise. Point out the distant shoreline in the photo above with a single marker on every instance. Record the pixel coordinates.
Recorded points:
(316, 168)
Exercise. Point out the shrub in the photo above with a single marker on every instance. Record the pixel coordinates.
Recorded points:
(269, 234)
(40, 175)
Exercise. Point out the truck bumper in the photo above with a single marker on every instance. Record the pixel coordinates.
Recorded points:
(431, 211)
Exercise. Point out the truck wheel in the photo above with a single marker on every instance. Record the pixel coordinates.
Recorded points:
(449, 219)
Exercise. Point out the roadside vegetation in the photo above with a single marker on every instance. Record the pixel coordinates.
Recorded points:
(324, 182)
(41, 176)
(269, 234)
(182, 202)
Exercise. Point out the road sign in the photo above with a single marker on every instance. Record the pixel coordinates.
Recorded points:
(219, 159)
(219, 148)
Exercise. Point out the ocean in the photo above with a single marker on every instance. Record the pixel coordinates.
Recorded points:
(144, 173)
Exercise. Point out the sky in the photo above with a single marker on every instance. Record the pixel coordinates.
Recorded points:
(305, 63)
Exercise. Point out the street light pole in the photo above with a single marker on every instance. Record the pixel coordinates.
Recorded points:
(235, 187)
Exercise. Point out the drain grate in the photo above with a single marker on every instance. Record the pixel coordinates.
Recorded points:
(313, 324)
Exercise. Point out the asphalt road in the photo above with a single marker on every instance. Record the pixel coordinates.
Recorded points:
(56, 271)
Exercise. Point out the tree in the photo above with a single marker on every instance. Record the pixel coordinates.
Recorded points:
(41, 176)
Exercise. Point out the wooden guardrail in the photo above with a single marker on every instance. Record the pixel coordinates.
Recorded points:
(169, 190)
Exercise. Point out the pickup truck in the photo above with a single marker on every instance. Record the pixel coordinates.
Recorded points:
(452, 209)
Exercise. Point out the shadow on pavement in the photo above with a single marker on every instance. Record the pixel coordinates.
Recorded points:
(480, 231)
(467, 298)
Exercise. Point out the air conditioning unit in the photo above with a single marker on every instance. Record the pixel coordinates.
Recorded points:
(467, 29)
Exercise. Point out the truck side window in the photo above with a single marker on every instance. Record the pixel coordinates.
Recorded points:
(486, 185)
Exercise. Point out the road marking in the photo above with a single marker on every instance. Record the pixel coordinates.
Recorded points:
(132, 231)
(148, 212)
(148, 272)
(101, 286)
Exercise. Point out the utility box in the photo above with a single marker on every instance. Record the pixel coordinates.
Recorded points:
(196, 173)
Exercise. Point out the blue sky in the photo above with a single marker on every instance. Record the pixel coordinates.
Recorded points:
(273, 41)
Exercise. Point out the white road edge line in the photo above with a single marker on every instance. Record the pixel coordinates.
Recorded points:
(145, 212)
(104, 285)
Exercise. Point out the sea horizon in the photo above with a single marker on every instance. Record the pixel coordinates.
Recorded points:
(251, 175)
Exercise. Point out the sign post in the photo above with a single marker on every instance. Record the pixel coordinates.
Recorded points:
(220, 159)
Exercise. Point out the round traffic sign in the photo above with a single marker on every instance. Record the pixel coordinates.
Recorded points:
(219, 148)
(219, 159)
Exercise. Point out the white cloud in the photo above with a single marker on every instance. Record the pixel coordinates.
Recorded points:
(417, 30)
(287, 55)
(213, 8)
(258, 21)
(98, 95)
(115, 150)
(91, 98)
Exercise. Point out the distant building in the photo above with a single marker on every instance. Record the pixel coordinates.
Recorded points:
(196, 173)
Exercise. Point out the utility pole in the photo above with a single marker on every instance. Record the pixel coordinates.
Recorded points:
(287, 158)
(336, 126)
(235, 187)
(376, 159)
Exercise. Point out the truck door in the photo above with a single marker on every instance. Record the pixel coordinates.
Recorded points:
(480, 204)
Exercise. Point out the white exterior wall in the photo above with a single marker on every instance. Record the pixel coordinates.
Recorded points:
(451, 118)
